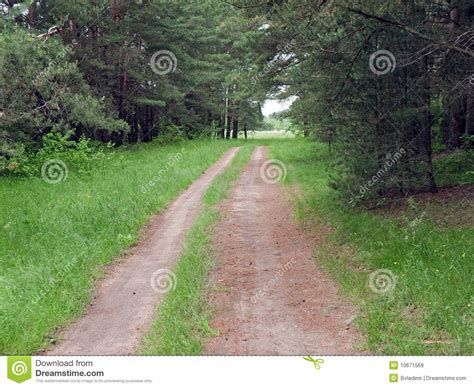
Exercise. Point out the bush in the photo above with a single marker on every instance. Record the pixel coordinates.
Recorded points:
(12, 156)
(80, 156)
(170, 133)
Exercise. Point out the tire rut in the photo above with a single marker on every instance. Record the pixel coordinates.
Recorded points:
(122, 308)
(270, 297)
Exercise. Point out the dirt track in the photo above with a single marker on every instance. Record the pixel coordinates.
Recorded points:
(124, 300)
(270, 297)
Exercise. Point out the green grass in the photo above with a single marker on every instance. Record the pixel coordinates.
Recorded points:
(56, 238)
(430, 310)
(182, 320)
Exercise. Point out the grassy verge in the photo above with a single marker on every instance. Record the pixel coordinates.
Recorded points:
(182, 320)
(56, 238)
(430, 309)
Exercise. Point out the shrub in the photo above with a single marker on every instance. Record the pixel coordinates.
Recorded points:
(80, 156)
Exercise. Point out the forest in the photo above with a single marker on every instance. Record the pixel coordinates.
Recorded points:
(123, 72)
(112, 109)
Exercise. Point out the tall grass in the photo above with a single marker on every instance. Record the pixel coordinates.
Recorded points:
(56, 238)
(430, 310)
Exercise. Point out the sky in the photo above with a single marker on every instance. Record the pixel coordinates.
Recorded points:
(272, 106)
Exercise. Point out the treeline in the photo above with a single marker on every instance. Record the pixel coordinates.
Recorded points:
(376, 79)
(125, 71)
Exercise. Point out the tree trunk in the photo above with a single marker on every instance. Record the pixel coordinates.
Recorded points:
(427, 132)
(228, 122)
(460, 111)
(221, 128)
(456, 124)
(32, 14)
(305, 129)
(470, 113)
(235, 127)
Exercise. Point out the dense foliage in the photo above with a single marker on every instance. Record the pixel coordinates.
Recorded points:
(383, 82)
(124, 71)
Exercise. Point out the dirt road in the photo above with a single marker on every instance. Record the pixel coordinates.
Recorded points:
(125, 299)
(270, 297)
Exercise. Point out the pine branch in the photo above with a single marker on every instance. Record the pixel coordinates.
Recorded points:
(418, 34)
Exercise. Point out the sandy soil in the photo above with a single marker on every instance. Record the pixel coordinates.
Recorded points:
(270, 297)
(124, 301)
